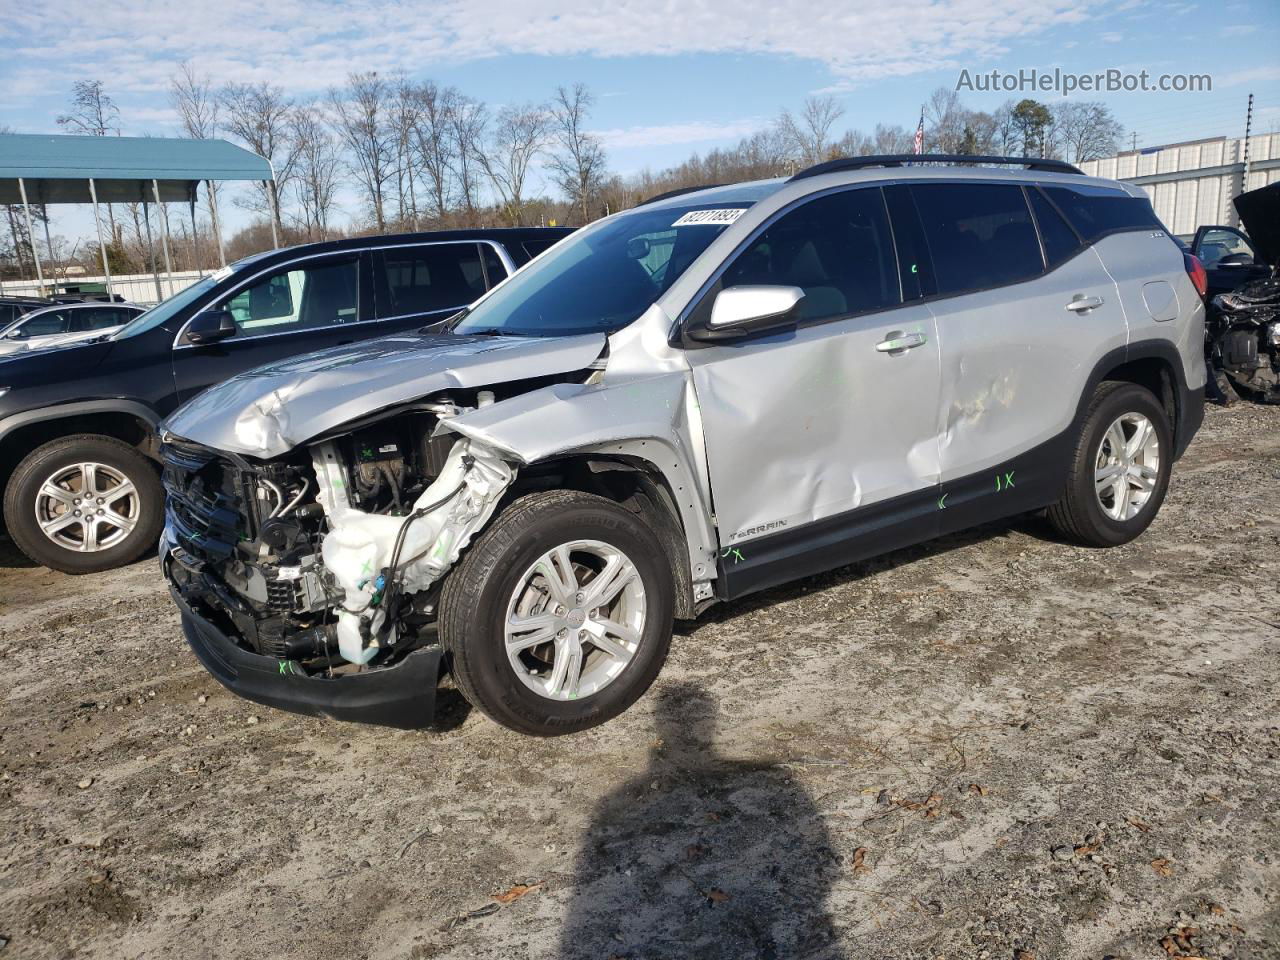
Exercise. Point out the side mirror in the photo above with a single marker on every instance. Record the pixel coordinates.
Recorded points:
(740, 312)
(211, 326)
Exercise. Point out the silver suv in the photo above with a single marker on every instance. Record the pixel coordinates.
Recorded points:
(713, 393)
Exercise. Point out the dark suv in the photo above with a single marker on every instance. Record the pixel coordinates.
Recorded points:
(78, 443)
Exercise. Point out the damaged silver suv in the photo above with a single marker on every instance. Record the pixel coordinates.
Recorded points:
(715, 392)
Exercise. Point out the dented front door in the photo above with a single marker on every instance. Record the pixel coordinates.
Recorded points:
(819, 422)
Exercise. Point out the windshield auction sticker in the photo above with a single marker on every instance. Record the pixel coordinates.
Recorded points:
(710, 218)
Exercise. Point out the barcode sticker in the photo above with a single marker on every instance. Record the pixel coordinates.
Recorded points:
(710, 218)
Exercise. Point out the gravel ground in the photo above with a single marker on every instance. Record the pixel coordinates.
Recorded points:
(994, 745)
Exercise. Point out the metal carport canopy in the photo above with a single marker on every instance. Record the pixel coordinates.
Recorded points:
(44, 168)
(57, 169)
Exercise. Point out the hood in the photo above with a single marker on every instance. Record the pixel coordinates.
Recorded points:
(1260, 213)
(271, 410)
(42, 368)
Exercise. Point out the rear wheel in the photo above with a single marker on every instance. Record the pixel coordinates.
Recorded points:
(1120, 470)
(84, 503)
(559, 616)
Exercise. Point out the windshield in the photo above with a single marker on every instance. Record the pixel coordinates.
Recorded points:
(162, 311)
(601, 278)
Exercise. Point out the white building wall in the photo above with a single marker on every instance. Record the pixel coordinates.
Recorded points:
(1184, 201)
(136, 288)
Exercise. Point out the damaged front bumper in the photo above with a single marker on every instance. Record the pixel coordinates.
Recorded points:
(402, 695)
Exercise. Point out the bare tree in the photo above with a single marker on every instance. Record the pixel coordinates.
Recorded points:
(316, 182)
(809, 132)
(1085, 130)
(468, 124)
(196, 102)
(891, 139)
(854, 143)
(193, 97)
(578, 161)
(361, 118)
(260, 115)
(519, 135)
(436, 143)
(945, 118)
(92, 112)
(404, 118)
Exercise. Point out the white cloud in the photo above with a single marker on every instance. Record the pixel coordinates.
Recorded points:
(1259, 76)
(307, 45)
(695, 131)
(1111, 37)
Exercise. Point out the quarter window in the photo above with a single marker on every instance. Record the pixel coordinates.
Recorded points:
(980, 235)
(837, 248)
(1100, 212)
(302, 299)
(1060, 241)
(419, 280)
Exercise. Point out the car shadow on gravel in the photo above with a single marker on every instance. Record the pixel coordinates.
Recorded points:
(714, 857)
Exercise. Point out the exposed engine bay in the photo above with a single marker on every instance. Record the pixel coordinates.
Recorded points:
(1243, 334)
(330, 557)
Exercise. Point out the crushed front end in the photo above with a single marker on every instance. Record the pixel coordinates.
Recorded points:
(310, 581)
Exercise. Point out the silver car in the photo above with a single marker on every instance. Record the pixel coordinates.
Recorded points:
(705, 396)
(64, 324)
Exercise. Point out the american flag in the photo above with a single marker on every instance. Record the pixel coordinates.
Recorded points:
(918, 145)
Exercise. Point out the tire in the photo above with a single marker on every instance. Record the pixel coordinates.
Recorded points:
(65, 463)
(498, 578)
(1088, 511)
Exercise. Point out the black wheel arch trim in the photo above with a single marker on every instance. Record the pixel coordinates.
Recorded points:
(78, 408)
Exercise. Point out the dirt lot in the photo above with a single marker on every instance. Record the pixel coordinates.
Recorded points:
(991, 746)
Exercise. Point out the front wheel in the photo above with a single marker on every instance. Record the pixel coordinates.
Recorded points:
(559, 616)
(1120, 470)
(84, 503)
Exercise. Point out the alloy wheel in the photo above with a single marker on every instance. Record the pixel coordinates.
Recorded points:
(87, 507)
(1127, 466)
(575, 619)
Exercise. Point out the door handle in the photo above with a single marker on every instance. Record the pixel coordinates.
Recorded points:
(897, 341)
(1082, 304)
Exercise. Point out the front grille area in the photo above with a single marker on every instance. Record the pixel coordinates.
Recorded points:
(203, 504)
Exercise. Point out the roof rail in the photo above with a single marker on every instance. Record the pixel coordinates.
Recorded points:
(898, 159)
(677, 193)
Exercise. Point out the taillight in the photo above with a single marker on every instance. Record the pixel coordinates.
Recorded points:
(1195, 270)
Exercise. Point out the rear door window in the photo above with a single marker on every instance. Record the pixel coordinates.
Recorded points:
(1095, 212)
(837, 248)
(980, 235)
(420, 280)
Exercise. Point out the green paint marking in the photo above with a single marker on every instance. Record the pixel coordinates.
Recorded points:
(942, 501)
(914, 268)
(733, 552)
(1006, 483)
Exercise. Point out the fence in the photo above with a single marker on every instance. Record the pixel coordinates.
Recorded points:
(138, 288)
(1193, 184)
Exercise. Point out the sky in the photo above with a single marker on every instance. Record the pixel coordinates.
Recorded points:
(670, 78)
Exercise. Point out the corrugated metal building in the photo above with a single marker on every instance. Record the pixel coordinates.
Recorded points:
(1192, 184)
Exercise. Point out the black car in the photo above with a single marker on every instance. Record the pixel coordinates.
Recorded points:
(11, 308)
(78, 444)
